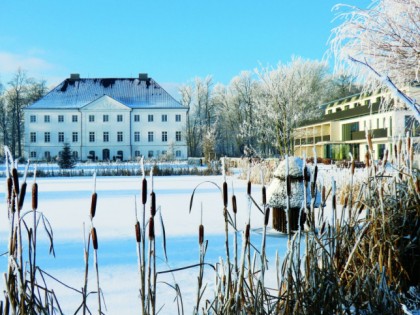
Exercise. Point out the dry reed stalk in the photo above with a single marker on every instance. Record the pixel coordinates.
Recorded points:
(95, 247)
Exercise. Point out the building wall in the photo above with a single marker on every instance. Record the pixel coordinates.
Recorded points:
(83, 127)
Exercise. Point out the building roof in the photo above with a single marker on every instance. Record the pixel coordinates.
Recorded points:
(75, 92)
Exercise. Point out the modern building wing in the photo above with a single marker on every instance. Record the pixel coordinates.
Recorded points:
(343, 127)
(105, 119)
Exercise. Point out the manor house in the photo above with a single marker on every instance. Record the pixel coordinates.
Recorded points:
(106, 119)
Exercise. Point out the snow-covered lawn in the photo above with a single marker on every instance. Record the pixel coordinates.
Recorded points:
(66, 203)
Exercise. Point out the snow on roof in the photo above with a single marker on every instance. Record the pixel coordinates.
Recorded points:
(132, 92)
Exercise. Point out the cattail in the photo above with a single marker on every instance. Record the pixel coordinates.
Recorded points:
(94, 239)
(385, 160)
(315, 173)
(322, 228)
(247, 230)
(264, 195)
(22, 196)
(9, 189)
(15, 177)
(234, 206)
(334, 203)
(34, 196)
(151, 229)
(289, 185)
(418, 185)
(352, 166)
(399, 147)
(225, 194)
(361, 208)
(144, 191)
(93, 205)
(367, 159)
(267, 216)
(201, 234)
(138, 232)
(305, 174)
(408, 142)
(346, 200)
(369, 140)
(153, 204)
(323, 194)
(313, 185)
(248, 189)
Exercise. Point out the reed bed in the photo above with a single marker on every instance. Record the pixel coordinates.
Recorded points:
(363, 260)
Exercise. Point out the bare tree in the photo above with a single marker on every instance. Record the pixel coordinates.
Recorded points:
(386, 36)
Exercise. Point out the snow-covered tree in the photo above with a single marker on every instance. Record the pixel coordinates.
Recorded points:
(65, 159)
(386, 36)
(290, 94)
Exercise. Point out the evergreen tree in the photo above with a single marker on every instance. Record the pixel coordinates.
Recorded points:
(65, 159)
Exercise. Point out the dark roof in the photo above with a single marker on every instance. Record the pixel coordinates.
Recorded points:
(132, 92)
(344, 114)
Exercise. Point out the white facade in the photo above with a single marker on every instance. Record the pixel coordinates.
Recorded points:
(120, 124)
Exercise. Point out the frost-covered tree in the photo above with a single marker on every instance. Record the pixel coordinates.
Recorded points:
(385, 38)
(201, 115)
(290, 94)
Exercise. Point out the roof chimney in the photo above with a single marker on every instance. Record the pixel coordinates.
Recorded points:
(74, 76)
(143, 76)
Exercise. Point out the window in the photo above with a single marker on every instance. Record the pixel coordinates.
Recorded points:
(330, 111)
(346, 107)
(164, 136)
(33, 137)
(33, 154)
(46, 118)
(177, 117)
(47, 155)
(137, 153)
(91, 118)
(119, 118)
(164, 118)
(75, 155)
(119, 136)
(164, 152)
(178, 136)
(91, 136)
(47, 137)
(74, 118)
(136, 117)
(178, 153)
(75, 137)
(105, 118)
(150, 136)
(60, 118)
(33, 118)
(149, 118)
(106, 136)
(61, 137)
(150, 154)
(137, 136)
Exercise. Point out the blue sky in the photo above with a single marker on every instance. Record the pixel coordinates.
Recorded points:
(172, 41)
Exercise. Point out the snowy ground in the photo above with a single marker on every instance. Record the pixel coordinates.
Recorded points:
(66, 203)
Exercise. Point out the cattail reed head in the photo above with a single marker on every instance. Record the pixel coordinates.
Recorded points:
(334, 203)
(399, 147)
(151, 229)
(138, 232)
(144, 191)
(201, 234)
(9, 189)
(22, 196)
(323, 194)
(322, 228)
(15, 177)
(247, 231)
(313, 186)
(248, 188)
(369, 140)
(266, 216)
(346, 200)
(153, 204)
(315, 173)
(353, 165)
(289, 185)
(306, 176)
(418, 185)
(234, 206)
(94, 239)
(93, 205)
(408, 142)
(367, 159)
(264, 195)
(361, 208)
(34, 196)
(225, 194)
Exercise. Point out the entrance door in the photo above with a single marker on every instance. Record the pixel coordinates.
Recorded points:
(105, 154)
